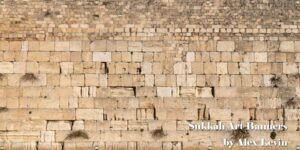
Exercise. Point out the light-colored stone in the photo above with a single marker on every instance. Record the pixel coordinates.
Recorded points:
(220, 114)
(180, 68)
(225, 46)
(222, 68)
(6, 67)
(203, 92)
(59, 125)
(89, 114)
(287, 46)
(167, 92)
(261, 57)
(62, 46)
(290, 68)
(78, 125)
(190, 56)
(98, 45)
(146, 68)
(102, 56)
(75, 46)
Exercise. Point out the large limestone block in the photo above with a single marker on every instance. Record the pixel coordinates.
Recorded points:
(260, 46)
(98, 45)
(297, 46)
(47, 46)
(38, 114)
(102, 56)
(290, 68)
(47, 136)
(120, 114)
(225, 46)
(180, 68)
(38, 56)
(222, 68)
(49, 67)
(4, 45)
(240, 114)
(287, 46)
(59, 125)
(62, 46)
(261, 57)
(6, 67)
(204, 92)
(23, 125)
(220, 114)
(15, 45)
(75, 45)
(167, 91)
(267, 114)
(122, 92)
(89, 114)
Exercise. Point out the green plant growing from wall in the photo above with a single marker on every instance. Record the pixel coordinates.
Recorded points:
(240, 133)
(3, 109)
(1, 76)
(290, 103)
(158, 133)
(275, 81)
(29, 77)
(77, 134)
(273, 135)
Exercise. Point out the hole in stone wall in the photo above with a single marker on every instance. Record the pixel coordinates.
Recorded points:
(139, 70)
(213, 91)
(106, 70)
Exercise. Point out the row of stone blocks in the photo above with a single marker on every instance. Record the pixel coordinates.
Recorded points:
(47, 92)
(180, 83)
(151, 68)
(148, 46)
(149, 114)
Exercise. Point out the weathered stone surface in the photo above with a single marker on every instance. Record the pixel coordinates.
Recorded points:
(225, 46)
(130, 74)
(102, 56)
(6, 67)
(89, 114)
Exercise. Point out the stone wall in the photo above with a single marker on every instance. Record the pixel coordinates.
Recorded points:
(128, 74)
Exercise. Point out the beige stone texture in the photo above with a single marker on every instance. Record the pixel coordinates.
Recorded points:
(129, 75)
(225, 46)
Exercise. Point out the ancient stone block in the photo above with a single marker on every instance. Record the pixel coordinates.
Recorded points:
(225, 46)
(59, 125)
(167, 92)
(220, 114)
(287, 46)
(89, 114)
(204, 92)
(62, 46)
(261, 57)
(6, 67)
(222, 68)
(47, 46)
(102, 56)
(38, 56)
(75, 46)
(47, 67)
(98, 45)
(180, 68)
